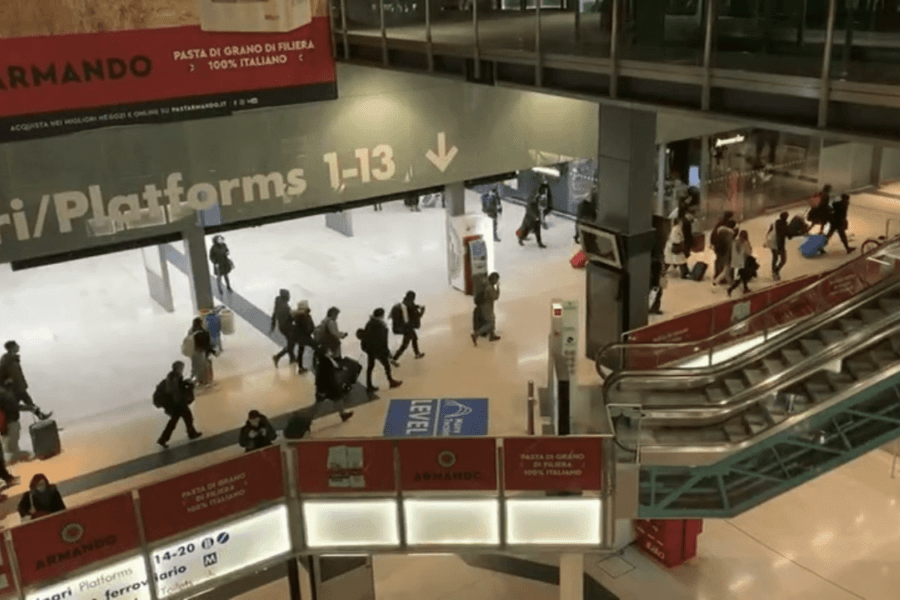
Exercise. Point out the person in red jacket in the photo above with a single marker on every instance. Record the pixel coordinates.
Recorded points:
(41, 499)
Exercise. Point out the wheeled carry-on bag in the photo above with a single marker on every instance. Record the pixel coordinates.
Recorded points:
(698, 271)
(45, 439)
(349, 373)
(812, 246)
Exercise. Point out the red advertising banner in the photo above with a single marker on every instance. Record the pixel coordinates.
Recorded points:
(553, 464)
(64, 542)
(448, 464)
(7, 585)
(195, 499)
(843, 284)
(207, 58)
(346, 466)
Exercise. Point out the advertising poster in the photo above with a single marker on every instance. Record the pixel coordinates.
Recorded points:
(64, 542)
(346, 466)
(566, 464)
(69, 65)
(448, 464)
(125, 580)
(195, 499)
(220, 551)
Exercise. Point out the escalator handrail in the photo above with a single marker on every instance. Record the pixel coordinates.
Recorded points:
(722, 449)
(745, 399)
(743, 323)
(707, 374)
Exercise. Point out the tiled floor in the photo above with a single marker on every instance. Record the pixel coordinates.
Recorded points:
(94, 346)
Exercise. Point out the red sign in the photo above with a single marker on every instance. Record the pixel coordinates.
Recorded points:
(204, 64)
(7, 588)
(64, 542)
(841, 285)
(553, 464)
(671, 541)
(448, 464)
(346, 466)
(195, 499)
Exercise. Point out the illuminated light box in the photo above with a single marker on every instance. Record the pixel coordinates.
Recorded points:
(222, 550)
(452, 522)
(125, 579)
(358, 523)
(553, 521)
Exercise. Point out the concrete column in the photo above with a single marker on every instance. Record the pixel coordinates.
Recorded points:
(571, 577)
(198, 267)
(455, 199)
(617, 302)
(705, 175)
(342, 222)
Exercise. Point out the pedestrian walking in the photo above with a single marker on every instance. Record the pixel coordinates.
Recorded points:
(201, 358)
(820, 213)
(222, 265)
(329, 335)
(675, 255)
(493, 208)
(839, 221)
(531, 223)
(406, 318)
(485, 319)
(776, 241)
(742, 262)
(176, 400)
(330, 384)
(11, 370)
(303, 326)
(257, 432)
(545, 202)
(375, 345)
(11, 410)
(657, 281)
(281, 318)
(723, 246)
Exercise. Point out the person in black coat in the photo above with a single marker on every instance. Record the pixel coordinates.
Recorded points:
(821, 213)
(180, 396)
(531, 223)
(222, 265)
(281, 317)
(303, 327)
(780, 234)
(406, 318)
(375, 345)
(328, 386)
(41, 499)
(257, 432)
(656, 275)
(839, 221)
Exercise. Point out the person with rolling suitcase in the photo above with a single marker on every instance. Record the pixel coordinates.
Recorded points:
(11, 370)
(839, 222)
(11, 411)
(330, 384)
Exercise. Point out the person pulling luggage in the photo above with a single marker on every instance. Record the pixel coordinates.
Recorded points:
(257, 432)
(531, 223)
(174, 395)
(329, 383)
(11, 370)
(375, 345)
(11, 409)
(839, 222)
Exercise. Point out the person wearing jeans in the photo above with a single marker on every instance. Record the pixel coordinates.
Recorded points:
(407, 318)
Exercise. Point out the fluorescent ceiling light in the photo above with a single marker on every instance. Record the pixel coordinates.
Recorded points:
(546, 171)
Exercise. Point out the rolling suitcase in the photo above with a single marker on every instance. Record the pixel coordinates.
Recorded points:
(812, 246)
(349, 373)
(698, 271)
(579, 261)
(45, 439)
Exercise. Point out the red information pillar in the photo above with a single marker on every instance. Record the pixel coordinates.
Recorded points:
(671, 541)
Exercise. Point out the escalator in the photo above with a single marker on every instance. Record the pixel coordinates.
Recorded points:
(717, 440)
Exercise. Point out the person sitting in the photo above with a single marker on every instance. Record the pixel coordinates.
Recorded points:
(41, 499)
(257, 432)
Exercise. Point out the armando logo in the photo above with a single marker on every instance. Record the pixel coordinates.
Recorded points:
(72, 534)
(87, 71)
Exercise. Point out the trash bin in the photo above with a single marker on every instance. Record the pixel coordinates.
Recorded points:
(226, 317)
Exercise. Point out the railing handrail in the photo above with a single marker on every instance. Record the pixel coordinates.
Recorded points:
(742, 323)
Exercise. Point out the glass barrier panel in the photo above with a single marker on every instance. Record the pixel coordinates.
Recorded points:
(669, 31)
(363, 17)
(578, 27)
(405, 19)
(866, 46)
(781, 36)
(507, 25)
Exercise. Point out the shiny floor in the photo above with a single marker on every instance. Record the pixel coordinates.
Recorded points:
(94, 345)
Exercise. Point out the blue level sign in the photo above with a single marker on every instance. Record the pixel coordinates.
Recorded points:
(437, 417)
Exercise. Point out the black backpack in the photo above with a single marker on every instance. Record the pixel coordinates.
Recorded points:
(161, 396)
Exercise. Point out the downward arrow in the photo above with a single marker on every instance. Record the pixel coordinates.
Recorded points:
(442, 158)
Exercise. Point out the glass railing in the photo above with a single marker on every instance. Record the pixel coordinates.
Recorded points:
(833, 289)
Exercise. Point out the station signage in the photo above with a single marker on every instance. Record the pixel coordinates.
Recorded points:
(221, 550)
(444, 417)
(64, 542)
(340, 466)
(195, 499)
(124, 580)
(448, 464)
(557, 464)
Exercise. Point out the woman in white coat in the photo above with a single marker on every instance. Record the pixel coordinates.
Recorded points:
(740, 251)
(675, 254)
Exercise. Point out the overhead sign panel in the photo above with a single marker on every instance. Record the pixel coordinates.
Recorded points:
(202, 58)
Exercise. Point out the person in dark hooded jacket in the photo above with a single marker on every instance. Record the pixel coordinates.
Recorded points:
(531, 223)
(257, 432)
(281, 317)
(41, 499)
(375, 345)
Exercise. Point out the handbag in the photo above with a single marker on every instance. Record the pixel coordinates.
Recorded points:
(678, 248)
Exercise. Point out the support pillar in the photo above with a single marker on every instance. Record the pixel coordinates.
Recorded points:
(571, 577)
(617, 301)
(198, 267)
(455, 199)
(157, 269)
(342, 222)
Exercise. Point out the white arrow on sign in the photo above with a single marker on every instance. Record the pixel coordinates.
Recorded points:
(443, 158)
